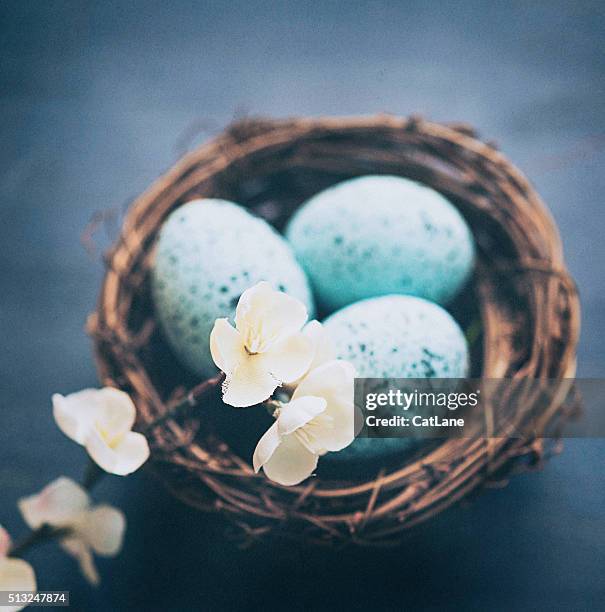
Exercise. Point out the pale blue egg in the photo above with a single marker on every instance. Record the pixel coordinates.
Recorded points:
(208, 252)
(396, 336)
(381, 235)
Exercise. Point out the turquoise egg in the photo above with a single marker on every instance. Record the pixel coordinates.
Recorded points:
(208, 252)
(381, 235)
(396, 336)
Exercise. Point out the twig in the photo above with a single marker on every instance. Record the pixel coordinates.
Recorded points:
(94, 473)
(43, 534)
(190, 401)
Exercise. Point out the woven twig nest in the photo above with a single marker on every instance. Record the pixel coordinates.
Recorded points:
(526, 302)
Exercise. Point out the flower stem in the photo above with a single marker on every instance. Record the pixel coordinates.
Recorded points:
(473, 331)
(188, 402)
(272, 407)
(44, 533)
(94, 473)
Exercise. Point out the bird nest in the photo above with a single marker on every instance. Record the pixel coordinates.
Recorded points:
(520, 294)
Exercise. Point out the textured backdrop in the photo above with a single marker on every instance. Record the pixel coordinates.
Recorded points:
(97, 99)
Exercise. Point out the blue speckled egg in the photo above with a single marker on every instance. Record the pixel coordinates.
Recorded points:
(396, 336)
(381, 235)
(208, 252)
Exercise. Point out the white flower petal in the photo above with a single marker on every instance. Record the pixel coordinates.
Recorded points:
(334, 381)
(299, 412)
(100, 452)
(58, 504)
(290, 463)
(341, 432)
(127, 456)
(5, 542)
(77, 548)
(132, 452)
(102, 529)
(289, 359)
(264, 316)
(323, 347)
(249, 384)
(110, 409)
(76, 413)
(266, 446)
(117, 414)
(226, 346)
(16, 575)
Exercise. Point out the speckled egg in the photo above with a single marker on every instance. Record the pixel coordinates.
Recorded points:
(396, 336)
(381, 235)
(208, 252)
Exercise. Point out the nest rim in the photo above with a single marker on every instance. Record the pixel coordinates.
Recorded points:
(206, 473)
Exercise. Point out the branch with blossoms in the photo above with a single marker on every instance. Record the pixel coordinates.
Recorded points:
(270, 347)
(272, 357)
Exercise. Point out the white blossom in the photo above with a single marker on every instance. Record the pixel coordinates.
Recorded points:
(319, 418)
(265, 348)
(15, 574)
(64, 504)
(322, 346)
(101, 420)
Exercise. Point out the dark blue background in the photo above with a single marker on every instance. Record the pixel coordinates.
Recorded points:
(94, 99)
